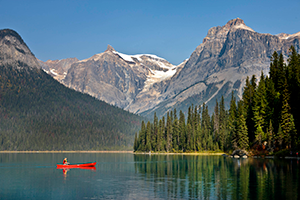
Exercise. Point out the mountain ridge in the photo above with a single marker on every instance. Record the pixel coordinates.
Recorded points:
(227, 55)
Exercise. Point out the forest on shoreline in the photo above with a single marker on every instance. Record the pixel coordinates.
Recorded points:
(265, 120)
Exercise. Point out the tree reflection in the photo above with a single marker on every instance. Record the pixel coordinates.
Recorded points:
(216, 177)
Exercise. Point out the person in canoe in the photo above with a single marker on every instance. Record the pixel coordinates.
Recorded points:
(65, 161)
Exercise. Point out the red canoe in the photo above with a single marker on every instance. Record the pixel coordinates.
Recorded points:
(79, 165)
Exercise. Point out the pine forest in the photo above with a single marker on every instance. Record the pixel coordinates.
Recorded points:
(38, 113)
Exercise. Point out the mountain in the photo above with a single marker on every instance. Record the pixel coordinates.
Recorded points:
(116, 78)
(145, 84)
(39, 113)
(227, 55)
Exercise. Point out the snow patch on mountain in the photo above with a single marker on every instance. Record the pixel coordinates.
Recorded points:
(53, 72)
(125, 57)
(129, 58)
(243, 26)
(156, 76)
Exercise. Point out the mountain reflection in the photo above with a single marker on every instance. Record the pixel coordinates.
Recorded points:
(217, 177)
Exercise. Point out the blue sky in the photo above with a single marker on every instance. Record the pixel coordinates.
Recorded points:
(169, 29)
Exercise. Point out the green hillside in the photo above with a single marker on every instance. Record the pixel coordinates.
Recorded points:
(38, 113)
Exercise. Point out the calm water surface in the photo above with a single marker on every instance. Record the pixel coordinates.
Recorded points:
(128, 176)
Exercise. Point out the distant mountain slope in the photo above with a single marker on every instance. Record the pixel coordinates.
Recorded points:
(38, 113)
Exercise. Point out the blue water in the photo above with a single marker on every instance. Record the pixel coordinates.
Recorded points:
(128, 176)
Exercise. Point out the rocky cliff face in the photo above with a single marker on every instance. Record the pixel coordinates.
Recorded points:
(221, 64)
(106, 77)
(145, 84)
(14, 52)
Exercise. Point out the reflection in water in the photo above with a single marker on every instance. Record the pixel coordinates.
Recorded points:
(65, 171)
(216, 177)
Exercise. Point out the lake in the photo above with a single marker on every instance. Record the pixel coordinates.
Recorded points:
(129, 176)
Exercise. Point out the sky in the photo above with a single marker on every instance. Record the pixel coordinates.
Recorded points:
(169, 29)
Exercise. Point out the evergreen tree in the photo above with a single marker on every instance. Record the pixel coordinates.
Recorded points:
(160, 138)
(196, 117)
(193, 139)
(205, 121)
(148, 137)
(242, 131)
(155, 132)
(222, 124)
(188, 137)
(248, 95)
(171, 116)
(190, 115)
(259, 134)
(293, 140)
(169, 133)
(216, 121)
(142, 137)
(293, 79)
(286, 115)
(182, 132)
(270, 137)
(274, 69)
(232, 122)
(281, 74)
(163, 129)
(175, 136)
(260, 103)
(198, 138)
(280, 136)
(190, 129)
(273, 105)
(210, 145)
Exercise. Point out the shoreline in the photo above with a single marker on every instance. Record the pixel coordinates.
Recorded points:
(194, 153)
(155, 153)
(66, 151)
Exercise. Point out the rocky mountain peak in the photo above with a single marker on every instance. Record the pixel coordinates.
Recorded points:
(10, 33)
(283, 35)
(13, 50)
(221, 32)
(110, 48)
(234, 22)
